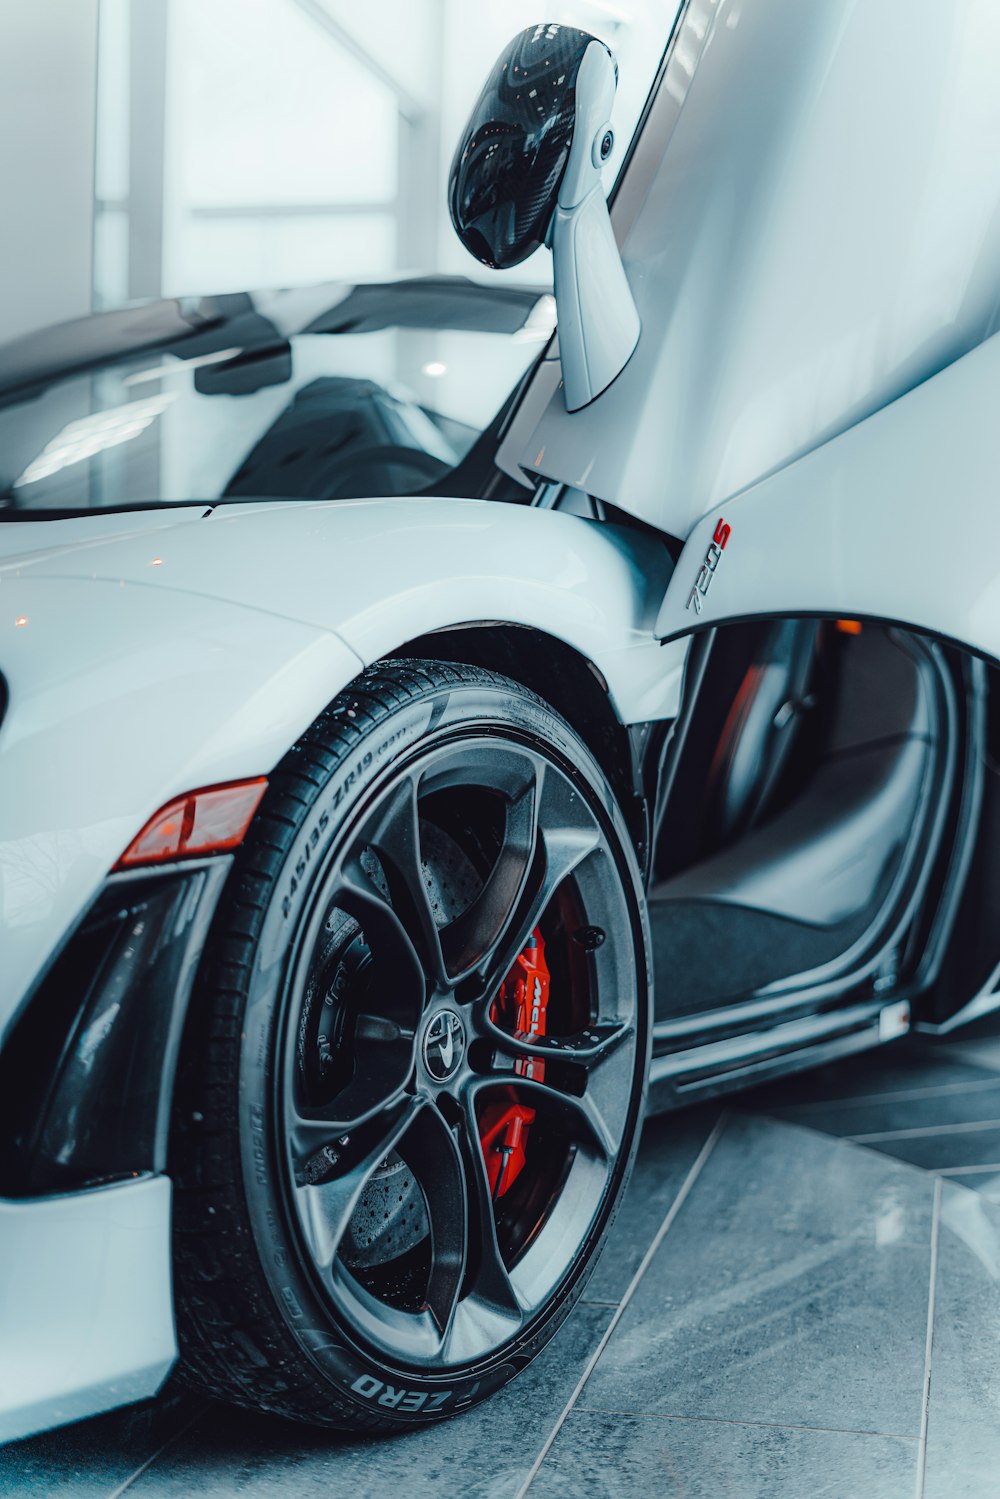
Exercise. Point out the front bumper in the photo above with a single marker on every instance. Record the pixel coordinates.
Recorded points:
(86, 1318)
(86, 1089)
(87, 1075)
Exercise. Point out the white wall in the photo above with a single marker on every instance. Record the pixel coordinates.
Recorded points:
(273, 129)
(48, 66)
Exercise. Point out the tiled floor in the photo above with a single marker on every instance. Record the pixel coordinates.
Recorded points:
(801, 1298)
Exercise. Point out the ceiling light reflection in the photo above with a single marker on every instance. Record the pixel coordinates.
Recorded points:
(93, 434)
(540, 323)
(178, 366)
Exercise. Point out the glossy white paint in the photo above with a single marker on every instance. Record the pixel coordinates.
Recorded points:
(894, 519)
(598, 323)
(84, 1303)
(814, 233)
(155, 659)
(381, 572)
(120, 697)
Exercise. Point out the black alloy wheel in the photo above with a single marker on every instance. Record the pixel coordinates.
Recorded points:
(414, 1072)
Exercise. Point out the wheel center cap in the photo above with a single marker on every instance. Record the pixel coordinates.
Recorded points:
(444, 1045)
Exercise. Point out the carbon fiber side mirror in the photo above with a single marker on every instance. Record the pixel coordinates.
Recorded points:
(528, 171)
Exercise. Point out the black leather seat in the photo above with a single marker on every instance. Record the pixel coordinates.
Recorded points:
(761, 728)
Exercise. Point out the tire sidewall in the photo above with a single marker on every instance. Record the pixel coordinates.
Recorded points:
(360, 1375)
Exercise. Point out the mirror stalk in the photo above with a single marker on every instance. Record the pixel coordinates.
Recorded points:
(598, 324)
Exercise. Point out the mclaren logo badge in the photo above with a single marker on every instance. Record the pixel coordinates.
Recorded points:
(444, 1045)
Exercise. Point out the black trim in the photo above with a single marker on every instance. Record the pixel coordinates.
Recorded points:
(890, 622)
(86, 1078)
(932, 934)
(738, 1062)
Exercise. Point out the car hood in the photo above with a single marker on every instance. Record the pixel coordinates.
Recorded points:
(28, 542)
(317, 562)
(374, 572)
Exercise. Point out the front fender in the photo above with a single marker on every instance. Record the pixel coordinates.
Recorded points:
(155, 660)
(119, 699)
(381, 572)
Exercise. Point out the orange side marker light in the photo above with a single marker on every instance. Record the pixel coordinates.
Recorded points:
(210, 821)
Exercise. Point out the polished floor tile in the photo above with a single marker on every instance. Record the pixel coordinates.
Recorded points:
(900, 1067)
(669, 1148)
(984, 1180)
(940, 1149)
(483, 1455)
(642, 1457)
(966, 1103)
(984, 1052)
(963, 1431)
(91, 1459)
(773, 1175)
(791, 1289)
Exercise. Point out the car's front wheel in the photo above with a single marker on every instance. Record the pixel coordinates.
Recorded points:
(413, 1074)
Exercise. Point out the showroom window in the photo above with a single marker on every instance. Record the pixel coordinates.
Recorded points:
(251, 143)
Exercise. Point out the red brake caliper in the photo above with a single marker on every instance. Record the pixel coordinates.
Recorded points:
(520, 1007)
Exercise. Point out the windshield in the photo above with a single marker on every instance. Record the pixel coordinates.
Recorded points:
(184, 154)
(320, 393)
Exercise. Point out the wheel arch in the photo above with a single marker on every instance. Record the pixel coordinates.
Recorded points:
(265, 1274)
(569, 682)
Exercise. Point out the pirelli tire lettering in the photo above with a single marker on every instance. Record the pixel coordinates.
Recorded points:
(393, 1397)
(399, 1399)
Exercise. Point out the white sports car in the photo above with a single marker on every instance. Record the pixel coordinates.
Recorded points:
(342, 839)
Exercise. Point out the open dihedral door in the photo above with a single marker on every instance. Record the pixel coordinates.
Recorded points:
(809, 232)
(810, 414)
(891, 520)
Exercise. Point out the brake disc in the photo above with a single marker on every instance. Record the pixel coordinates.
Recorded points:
(390, 1218)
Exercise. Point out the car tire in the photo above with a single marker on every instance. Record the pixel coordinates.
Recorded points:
(413, 1072)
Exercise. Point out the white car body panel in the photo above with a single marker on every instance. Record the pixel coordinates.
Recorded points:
(120, 698)
(381, 572)
(856, 527)
(809, 228)
(198, 652)
(85, 1303)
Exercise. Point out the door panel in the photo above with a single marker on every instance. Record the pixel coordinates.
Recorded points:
(893, 520)
(961, 966)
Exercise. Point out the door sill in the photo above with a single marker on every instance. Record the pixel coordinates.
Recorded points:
(682, 1077)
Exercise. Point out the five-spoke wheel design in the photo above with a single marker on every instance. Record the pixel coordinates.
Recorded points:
(458, 1050)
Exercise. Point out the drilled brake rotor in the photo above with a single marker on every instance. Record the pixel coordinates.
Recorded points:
(390, 1218)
